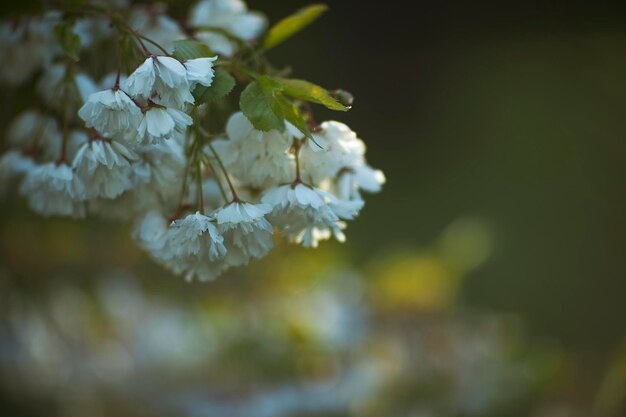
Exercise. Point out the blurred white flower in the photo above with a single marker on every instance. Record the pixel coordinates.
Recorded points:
(156, 179)
(150, 21)
(91, 30)
(33, 131)
(360, 177)
(255, 158)
(231, 16)
(52, 189)
(60, 88)
(14, 164)
(104, 167)
(26, 46)
(150, 232)
(338, 148)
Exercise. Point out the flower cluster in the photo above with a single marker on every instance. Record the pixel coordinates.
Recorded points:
(145, 147)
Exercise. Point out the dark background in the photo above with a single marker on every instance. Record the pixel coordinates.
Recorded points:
(511, 111)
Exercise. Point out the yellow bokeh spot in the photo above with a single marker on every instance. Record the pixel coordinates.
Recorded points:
(419, 282)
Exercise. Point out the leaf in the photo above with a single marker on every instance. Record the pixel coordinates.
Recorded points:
(307, 91)
(68, 40)
(222, 84)
(293, 24)
(293, 115)
(189, 49)
(259, 103)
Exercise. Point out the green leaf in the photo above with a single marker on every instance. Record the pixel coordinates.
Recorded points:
(190, 49)
(68, 40)
(259, 103)
(293, 115)
(222, 84)
(304, 90)
(293, 24)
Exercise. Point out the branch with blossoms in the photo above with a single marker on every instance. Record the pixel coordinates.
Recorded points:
(193, 135)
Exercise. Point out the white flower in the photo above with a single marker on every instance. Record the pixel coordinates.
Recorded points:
(150, 232)
(218, 43)
(245, 230)
(191, 246)
(157, 26)
(360, 177)
(156, 181)
(13, 166)
(59, 89)
(338, 148)
(255, 158)
(33, 131)
(195, 236)
(111, 112)
(231, 16)
(51, 189)
(307, 215)
(91, 30)
(26, 46)
(161, 79)
(200, 71)
(165, 164)
(104, 167)
(76, 139)
(159, 124)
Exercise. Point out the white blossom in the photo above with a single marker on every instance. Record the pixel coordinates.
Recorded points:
(338, 148)
(111, 112)
(218, 42)
(361, 177)
(255, 158)
(136, 158)
(200, 71)
(51, 189)
(60, 89)
(27, 46)
(33, 131)
(307, 215)
(150, 232)
(104, 167)
(91, 30)
(159, 124)
(245, 230)
(152, 23)
(161, 79)
(75, 140)
(233, 17)
(14, 165)
(156, 178)
(191, 246)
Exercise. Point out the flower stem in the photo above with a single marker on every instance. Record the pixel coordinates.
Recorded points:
(297, 145)
(63, 156)
(217, 180)
(152, 42)
(221, 164)
(199, 186)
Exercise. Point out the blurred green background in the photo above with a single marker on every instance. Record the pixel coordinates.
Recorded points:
(501, 128)
(510, 111)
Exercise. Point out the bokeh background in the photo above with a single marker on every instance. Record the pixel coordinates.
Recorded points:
(487, 279)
